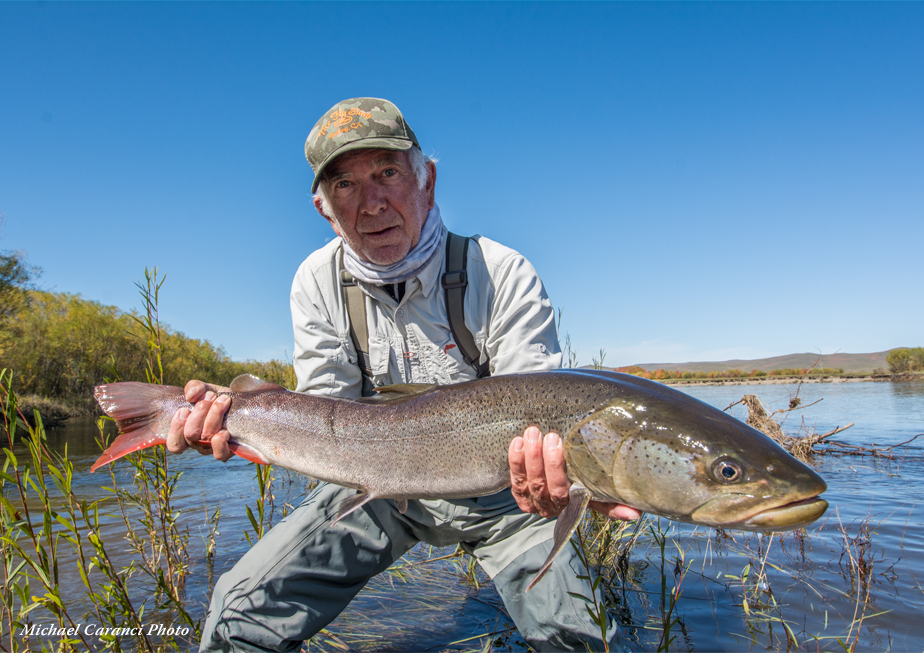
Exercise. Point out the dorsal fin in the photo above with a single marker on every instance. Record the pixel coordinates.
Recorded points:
(404, 388)
(397, 393)
(251, 383)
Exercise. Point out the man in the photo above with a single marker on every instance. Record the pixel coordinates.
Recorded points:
(377, 190)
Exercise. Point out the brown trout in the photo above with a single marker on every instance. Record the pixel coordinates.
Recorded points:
(625, 439)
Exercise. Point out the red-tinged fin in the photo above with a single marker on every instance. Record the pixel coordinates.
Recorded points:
(246, 452)
(251, 383)
(136, 408)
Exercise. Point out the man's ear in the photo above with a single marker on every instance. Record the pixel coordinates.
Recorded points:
(333, 223)
(431, 183)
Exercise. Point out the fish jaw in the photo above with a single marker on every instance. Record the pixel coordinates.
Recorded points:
(788, 517)
(795, 512)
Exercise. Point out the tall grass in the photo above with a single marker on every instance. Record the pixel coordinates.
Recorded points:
(43, 521)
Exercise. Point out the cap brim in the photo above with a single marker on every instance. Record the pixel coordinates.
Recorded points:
(399, 144)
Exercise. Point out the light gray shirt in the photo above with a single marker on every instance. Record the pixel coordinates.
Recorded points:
(506, 309)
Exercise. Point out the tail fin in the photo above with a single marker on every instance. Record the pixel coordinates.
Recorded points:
(139, 410)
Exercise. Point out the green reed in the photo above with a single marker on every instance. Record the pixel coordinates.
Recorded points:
(39, 524)
(161, 546)
(263, 519)
(42, 521)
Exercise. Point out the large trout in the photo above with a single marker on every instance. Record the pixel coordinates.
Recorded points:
(625, 439)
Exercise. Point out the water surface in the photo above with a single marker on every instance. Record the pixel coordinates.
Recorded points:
(812, 584)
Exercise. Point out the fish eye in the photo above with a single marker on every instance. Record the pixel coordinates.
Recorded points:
(727, 470)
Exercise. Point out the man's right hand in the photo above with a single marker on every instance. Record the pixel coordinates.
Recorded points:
(204, 422)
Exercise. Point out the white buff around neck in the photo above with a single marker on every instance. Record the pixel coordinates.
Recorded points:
(408, 267)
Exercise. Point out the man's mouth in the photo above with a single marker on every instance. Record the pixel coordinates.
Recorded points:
(382, 232)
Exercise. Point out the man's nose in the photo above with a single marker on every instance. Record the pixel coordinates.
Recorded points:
(372, 199)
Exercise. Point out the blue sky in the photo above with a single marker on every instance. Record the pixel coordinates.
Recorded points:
(692, 181)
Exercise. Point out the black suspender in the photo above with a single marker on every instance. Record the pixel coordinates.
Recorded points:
(454, 282)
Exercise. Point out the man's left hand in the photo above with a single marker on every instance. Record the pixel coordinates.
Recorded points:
(539, 482)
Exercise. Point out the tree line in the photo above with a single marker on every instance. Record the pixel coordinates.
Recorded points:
(60, 345)
(661, 375)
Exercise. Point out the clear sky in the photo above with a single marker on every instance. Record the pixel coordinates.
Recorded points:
(692, 181)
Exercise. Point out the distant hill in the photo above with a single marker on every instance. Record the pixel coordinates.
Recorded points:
(851, 363)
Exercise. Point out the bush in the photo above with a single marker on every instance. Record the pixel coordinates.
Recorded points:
(61, 345)
(906, 360)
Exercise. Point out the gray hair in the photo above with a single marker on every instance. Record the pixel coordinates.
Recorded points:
(418, 161)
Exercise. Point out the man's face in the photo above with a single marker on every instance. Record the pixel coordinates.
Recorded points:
(376, 204)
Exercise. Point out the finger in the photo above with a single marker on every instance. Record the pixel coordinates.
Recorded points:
(193, 429)
(176, 443)
(616, 511)
(195, 390)
(518, 479)
(215, 417)
(535, 471)
(555, 476)
(220, 448)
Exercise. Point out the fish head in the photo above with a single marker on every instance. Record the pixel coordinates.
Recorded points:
(664, 452)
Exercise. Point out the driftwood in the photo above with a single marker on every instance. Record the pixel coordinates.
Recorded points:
(844, 449)
(801, 447)
(804, 447)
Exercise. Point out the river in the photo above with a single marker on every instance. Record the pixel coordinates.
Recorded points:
(857, 576)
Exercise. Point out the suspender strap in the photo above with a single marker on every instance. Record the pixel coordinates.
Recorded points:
(356, 311)
(455, 280)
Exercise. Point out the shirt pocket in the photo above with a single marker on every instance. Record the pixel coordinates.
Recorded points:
(446, 361)
(383, 360)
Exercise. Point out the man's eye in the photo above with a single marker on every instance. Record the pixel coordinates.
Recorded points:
(343, 183)
(389, 172)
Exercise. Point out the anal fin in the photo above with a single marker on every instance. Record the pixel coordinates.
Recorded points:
(353, 503)
(567, 523)
(245, 451)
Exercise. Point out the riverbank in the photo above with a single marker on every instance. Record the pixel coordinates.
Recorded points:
(782, 380)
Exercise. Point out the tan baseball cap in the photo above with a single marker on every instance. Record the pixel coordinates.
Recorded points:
(356, 124)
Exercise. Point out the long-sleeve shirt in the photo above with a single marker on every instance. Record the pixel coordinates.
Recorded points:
(506, 309)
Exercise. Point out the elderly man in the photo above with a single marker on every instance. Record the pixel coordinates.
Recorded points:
(371, 309)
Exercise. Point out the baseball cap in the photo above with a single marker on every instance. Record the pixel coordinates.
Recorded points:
(356, 124)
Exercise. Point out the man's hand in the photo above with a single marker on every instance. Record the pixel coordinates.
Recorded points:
(539, 482)
(203, 422)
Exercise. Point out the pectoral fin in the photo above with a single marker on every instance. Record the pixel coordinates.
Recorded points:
(567, 523)
(401, 504)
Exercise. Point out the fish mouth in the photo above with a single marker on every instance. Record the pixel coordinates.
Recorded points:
(788, 516)
(721, 513)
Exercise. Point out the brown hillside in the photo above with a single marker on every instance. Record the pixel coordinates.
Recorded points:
(851, 363)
